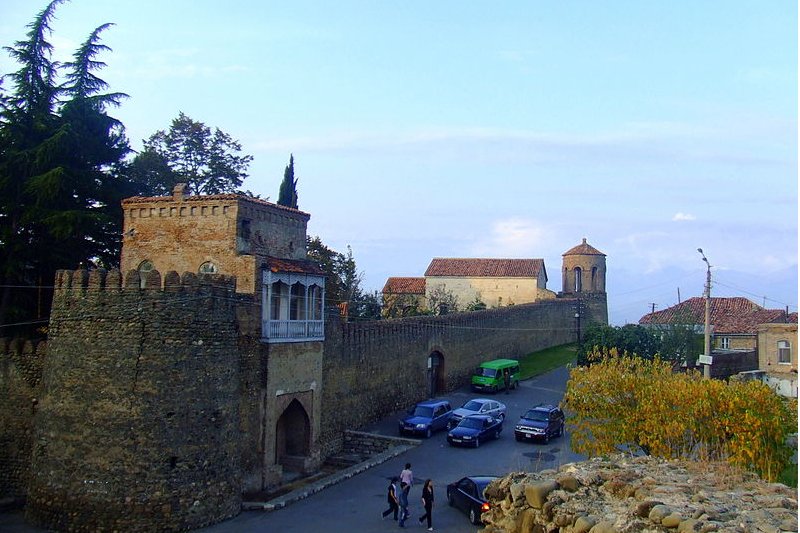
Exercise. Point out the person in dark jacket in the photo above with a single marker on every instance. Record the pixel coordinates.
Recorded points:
(427, 503)
(391, 499)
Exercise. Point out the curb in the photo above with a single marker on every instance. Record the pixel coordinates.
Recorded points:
(312, 488)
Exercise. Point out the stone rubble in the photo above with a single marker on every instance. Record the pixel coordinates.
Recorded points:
(644, 494)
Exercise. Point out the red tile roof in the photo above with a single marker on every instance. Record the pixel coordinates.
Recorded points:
(404, 286)
(298, 266)
(728, 315)
(583, 249)
(485, 268)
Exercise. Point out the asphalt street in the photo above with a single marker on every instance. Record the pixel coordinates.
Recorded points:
(355, 504)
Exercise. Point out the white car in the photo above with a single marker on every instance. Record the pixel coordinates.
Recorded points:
(478, 406)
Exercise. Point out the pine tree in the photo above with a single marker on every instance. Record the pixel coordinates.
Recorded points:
(59, 151)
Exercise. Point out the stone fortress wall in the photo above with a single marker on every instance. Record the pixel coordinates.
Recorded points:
(137, 417)
(148, 405)
(375, 368)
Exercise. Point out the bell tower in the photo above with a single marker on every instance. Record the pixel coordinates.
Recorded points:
(583, 270)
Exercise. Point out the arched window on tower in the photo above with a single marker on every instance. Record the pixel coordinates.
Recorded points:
(578, 281)
(143, 268)
(594, 279)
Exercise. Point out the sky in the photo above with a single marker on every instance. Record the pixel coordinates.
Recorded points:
(490, 129)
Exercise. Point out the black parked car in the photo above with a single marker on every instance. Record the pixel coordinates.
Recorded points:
(467, 494)
(543, 422)
(474, 429)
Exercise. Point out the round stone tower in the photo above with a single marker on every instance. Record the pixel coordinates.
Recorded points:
(583, 270)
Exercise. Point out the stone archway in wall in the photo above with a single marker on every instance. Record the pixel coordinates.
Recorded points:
(435, 373)
(293, 437)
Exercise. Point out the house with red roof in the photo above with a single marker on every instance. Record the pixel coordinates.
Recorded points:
(495, 282)
(734, 321)
(403, 296)
(740, 325)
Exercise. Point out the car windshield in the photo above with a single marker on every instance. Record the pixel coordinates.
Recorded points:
(423, 411)
(472, 423)
(535, 414)
(486, 372)
(472, 405)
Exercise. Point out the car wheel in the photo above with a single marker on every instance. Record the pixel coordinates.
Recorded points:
(477, 442)
(561, 430)
(450, 500)
(519, 439)
(428, 433)
(502, 417)
(474, 517)
(546, 437)
(496, 434)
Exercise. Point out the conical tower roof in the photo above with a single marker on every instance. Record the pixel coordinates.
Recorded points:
(583, 249)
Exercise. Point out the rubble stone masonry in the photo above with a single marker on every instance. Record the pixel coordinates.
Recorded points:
(136, 427)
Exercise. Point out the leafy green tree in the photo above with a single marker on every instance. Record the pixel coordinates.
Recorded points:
(343, 281)
(60, 153)
(287, 195)
(476, 304)
(208, 162)
(442, 301)
(401, 306)
(628, 339)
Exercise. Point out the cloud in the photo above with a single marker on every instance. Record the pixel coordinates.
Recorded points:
(631, 144)
(513, 238)
(682, 217)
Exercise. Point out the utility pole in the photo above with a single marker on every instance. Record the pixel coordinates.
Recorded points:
(707, 294)
(578, 322)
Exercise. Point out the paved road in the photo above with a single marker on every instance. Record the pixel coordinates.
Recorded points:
(355, 504)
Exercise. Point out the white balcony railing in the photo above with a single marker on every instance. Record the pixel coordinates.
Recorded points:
(293, 330)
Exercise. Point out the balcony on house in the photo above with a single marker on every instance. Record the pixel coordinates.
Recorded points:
(293, 305)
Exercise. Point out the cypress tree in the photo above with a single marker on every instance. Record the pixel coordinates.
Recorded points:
(287, 195)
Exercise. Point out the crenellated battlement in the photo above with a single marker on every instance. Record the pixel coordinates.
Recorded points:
(85, 282)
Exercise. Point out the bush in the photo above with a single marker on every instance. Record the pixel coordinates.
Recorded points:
(642, 405)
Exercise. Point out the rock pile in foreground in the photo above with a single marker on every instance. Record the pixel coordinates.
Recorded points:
(643, 494)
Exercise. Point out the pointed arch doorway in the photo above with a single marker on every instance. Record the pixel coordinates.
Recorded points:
(435, 373)
(293, 437)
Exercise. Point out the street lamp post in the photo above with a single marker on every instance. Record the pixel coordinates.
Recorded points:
(707, 294)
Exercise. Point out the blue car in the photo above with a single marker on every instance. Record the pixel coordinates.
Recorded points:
(474, 429)
(426, 417)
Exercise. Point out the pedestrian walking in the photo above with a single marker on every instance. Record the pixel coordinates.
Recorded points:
(391, 499)
(427, 503)
(407, 475)
(507, 379)
(403, 501)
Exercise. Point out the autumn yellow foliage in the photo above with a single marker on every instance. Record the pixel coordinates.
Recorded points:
(625, 402)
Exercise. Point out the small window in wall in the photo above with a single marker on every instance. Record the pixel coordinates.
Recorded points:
(244, 229)
(208, 268)
(725, 343)
(143, 268)
(784, 352)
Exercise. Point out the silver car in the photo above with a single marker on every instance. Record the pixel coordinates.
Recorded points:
(478, 406)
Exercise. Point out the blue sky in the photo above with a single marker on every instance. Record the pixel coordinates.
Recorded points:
(476, 129)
